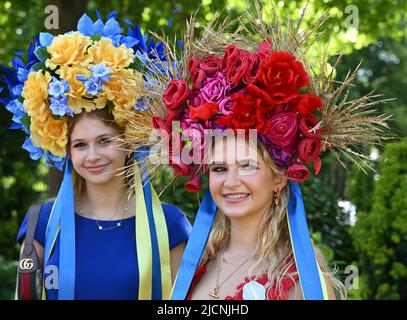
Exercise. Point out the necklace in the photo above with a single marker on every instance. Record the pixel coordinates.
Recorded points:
(214, 292)
(102, 228)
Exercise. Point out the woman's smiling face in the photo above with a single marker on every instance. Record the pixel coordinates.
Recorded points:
(94, 154)
(240, 181)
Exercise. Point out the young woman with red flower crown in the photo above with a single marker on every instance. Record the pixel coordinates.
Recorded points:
(254, 118)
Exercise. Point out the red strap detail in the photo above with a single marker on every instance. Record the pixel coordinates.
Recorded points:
(25, 286)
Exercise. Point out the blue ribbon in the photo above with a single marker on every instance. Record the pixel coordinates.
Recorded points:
(140, 156)
(62, 215)
(303, 251)
(195, 247)
(302, 247)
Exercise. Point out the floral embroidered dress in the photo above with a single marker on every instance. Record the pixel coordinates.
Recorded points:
(273, 293)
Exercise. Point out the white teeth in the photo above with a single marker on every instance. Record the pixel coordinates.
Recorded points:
(236, 196)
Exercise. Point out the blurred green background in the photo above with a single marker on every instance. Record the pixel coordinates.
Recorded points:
(358, 220)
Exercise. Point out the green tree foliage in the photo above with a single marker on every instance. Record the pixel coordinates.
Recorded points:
(380, 235)
(23, 181)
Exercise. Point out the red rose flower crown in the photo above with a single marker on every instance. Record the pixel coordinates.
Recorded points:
(214, 84)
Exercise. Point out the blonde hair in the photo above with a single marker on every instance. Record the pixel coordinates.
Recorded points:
(273, 252)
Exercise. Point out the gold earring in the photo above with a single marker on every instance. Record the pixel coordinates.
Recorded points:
(276, 197)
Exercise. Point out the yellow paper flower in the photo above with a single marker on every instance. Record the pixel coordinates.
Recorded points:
(114, 57)
(35, 93)
(68, 49)
(69, 74)
(50, 135)
(80, 104)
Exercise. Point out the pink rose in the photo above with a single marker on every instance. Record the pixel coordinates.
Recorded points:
(225, 106)
(215, 88)
(283, 129)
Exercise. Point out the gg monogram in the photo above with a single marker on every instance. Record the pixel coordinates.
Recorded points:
(26, 264)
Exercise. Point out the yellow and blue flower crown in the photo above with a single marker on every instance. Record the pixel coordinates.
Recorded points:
(84, 70)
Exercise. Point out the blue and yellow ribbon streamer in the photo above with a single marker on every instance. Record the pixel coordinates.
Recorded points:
(311, 278)
(152, 242)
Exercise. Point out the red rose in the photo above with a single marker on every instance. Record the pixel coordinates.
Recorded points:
(309, 149)
(250, 75)
(264, 48)
(210, 64)
(162, 131)
(193, 185)
(204, 111)
(297, 172)
(283, 129)
(236, 70)
(229, 58)
(307, 122)
(180, 168)
(282, 76)
(198, 78)
(193, 64)
(176, 94)
(159, 123)
(308, 103)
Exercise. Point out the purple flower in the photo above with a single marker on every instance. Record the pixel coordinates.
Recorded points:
(193, 131)
(280, 157)
(225, 106)
(215, 88)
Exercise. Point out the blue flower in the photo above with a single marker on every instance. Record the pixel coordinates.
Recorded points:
(16, 90)
(58, 88)
(57, 161)
(140, 105)
(35, 152)
(59, 108)
(100, 72)
(81, 77)
(93, 86)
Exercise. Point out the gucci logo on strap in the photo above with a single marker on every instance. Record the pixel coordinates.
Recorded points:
(26, 264)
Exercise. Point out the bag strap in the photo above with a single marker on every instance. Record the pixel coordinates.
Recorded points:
(29, 271)
(32, 221)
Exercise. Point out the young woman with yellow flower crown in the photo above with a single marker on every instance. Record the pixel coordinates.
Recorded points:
(245, 108)
(98, 239)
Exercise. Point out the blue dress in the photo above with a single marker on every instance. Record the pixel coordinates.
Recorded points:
(106, 261)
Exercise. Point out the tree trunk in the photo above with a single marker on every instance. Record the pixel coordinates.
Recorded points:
(69, 13)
